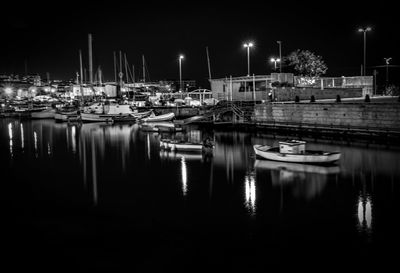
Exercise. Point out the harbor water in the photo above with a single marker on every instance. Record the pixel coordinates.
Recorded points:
(99, 197)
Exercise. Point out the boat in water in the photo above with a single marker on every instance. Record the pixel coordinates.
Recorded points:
(296, 167)
(177, 145)
(295, 151)
(154, 118)
(43, 114)
(101, 112)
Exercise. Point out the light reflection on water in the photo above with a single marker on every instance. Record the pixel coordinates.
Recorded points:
(107, 154)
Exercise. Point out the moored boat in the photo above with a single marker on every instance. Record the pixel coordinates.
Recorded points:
(175, 145)
(295, 151)
(154, 118)
(44, 114)
(297, 167)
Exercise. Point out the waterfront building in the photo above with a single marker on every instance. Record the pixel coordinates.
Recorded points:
(286, 86)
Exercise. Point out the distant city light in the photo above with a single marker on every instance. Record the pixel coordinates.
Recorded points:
(8, 90)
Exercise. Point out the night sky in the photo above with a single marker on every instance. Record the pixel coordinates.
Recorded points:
(49, 36)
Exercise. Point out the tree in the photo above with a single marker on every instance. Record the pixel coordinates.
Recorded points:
(306, 63)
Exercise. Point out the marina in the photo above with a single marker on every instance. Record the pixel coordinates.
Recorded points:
(199, 137)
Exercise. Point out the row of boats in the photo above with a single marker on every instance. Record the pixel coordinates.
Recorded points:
(100, 112)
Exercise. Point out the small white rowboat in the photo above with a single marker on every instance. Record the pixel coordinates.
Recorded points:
(298, 156)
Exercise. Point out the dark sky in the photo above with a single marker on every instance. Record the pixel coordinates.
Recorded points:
(49, 35)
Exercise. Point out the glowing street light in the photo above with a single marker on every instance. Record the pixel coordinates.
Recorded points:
(365, 30)
(248, 45)
(181, 57)
(275, 60)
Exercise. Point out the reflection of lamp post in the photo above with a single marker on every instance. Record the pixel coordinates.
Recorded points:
(365, 30)
(180, 72)
(273, 60)
(387, 60)
(248, 45)
(280, 55)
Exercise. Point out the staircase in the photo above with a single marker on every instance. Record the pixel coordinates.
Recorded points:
(242, 111)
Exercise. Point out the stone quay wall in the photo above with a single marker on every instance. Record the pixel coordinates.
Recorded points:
(362, 115)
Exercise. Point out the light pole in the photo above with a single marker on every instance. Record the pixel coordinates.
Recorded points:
(248, 45)
(273, 60)
(365, 30)
(280, 55)
(387, 60)
(181, 57)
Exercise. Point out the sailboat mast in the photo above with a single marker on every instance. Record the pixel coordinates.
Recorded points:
(126, 69)
(144, 70)
(90, 59)
(133, 73)
(81, 66)
(115, 67)
(120, 68)
(209, 66)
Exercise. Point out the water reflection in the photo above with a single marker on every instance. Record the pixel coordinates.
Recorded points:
(22, 136)
(304, 181)
(250, 192)
(10, 134)
(364, 213)
(184, 175)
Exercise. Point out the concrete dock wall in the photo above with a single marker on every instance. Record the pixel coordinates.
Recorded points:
(365, 115)
(290, 93)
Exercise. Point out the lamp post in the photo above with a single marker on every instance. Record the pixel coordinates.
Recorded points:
(387, 60)
(280, 55)
(365, 30)
(273, 60)
(248, 45)
(181, 57)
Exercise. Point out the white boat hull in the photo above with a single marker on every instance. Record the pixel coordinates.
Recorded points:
(45, 114)
(324, 158)
(296, 167)
(193, 147)
(165, 117)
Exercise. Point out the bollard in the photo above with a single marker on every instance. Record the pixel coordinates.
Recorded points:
(312, 98)
(338, 98)
(367, 99)
(297, 99)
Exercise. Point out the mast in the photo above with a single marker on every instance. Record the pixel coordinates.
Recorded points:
(100, 76)
(90, 59)
(126, 68)
(209, 66)
(120, 68)
(81, 65)
(133, 73)
(115, 67)
(144, 70)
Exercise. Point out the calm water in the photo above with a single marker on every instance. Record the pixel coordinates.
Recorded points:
(98, 197)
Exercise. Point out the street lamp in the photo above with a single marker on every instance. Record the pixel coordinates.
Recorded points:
(280, 55)
(387, 60)
(181, 57)
(365, 30)
(273, 60)
(248, 45)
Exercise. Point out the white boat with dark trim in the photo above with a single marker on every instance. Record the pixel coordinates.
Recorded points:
(297, 167)
(295, 151)
(176, 145)
(154, 118)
